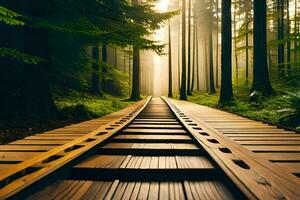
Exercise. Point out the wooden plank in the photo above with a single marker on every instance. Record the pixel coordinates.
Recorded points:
(120, 191)
(144, 191)
(16, 156)
(51, 138)
(153, 131)
(112, 190)
(146, 163)
(83, 143)
(270, 138)
(274, 148)
(5, 166)
(163, 190)
(154, 137)
(129, 190)
(193, 162)
(60, 135)
(154, 120)
(280, 156)
(40, 142)
(151, 126)
(293, 167)
(270, 142)
(25, 148)
(150, 146)
(135, 191)
(153, 191)
(281, 181)
(263, 135)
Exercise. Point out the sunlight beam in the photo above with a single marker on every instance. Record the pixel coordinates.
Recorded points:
(162, 5)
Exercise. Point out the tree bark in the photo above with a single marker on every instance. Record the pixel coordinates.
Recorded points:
(170, 92)
(135, 92)
(235, 46)
(207, 66)
(179, 67)
(295, 33)
(261, 81)
(129, 71)
(95, 86)
(194, 56)
(183, 94)
(212, 88)
(288, 39)
(226, 60)
(189, 49)
(217, 47)
(197, 60)
(280, 37)
(104, 84)
(247, 46)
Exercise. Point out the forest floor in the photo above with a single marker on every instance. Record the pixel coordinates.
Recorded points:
(74, 106)
(278, 109)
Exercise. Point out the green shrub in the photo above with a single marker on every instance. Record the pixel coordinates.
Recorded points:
(291, 114)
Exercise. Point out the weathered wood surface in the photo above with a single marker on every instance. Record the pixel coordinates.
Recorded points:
(21, 157)
(45, 141)
(152, 158)
(268, 153)
(184, 151)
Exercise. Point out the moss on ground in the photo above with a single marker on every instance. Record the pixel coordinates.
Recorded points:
(74, 107)
(83, 106)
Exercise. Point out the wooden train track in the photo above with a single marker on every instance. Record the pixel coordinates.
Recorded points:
(155, 149)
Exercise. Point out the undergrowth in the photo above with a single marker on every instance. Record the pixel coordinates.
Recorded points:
(74, 107)
(280, 108)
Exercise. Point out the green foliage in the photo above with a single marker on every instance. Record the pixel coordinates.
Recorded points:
(291, 114)
(119, 80)
(278, 109)
(82, 106)
(10, 17)
(113, 22)
(22, 57)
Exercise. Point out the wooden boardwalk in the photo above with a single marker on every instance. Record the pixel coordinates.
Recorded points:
(278, 146)
(155, 149)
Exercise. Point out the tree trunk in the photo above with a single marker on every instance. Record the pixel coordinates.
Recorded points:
(104, 84)
(116, 57)
(129, 71)
(189, 49)
(295, 33)
(261, 81)
(170, 92)
(194, 56)
(135, 92)
(179, 67)
(235, 46)
(124, 61)
(247, 47)
(226, 61)
(212, 88)
(197, 60)
(206, 55)
(183, 95)
(217, 47)
(288, 39)
(280, 37)
(95, 86)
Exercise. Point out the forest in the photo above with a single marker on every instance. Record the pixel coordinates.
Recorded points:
(68, 61)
